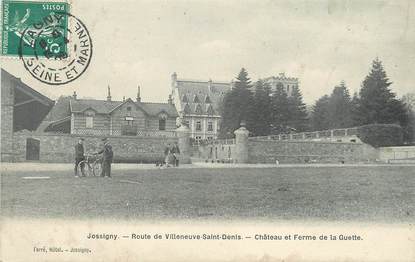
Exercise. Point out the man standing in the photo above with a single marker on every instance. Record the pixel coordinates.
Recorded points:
(176, 152)
(107, 156)
(167, 155)
(79, 156)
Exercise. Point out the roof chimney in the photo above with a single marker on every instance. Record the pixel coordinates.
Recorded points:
(138, 94)
(170, 101)
(174, 80)
(123, 98)
(210, 86)
(109, 94)
(74, 95)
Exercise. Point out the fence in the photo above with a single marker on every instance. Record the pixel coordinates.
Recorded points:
(316, 135)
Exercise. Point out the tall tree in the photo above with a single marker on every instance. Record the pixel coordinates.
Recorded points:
(237, 106)
(262, 109)
(354, 109)
(298, 119)
(377, 103)
(320, 116)
(280, 111)
(340, 107)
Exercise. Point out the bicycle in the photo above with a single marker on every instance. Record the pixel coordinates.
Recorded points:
(92, 165)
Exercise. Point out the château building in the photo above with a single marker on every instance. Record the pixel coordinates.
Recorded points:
(281, 80)
(198, 105)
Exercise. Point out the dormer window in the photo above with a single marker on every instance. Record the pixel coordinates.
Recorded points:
(128, 108)
(199, 110)
(187, 109)
(210, 110)
(196, 99)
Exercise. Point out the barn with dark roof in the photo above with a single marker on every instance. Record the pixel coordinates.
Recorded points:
(110, 118)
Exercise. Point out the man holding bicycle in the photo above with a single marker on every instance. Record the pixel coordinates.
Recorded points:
(107, 156)
(79, 157)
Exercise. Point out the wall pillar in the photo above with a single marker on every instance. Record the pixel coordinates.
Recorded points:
(241, 144)
(183, 134)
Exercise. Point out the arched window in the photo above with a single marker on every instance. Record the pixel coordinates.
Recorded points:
(207, 100)
(162, 121)
(184, 99)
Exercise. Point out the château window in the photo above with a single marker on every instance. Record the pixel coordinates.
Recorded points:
(207, 100)
(198, 126)
(184, 99)
(210, 126)
(128, 108)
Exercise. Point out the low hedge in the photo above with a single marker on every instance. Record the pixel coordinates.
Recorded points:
(378, 135)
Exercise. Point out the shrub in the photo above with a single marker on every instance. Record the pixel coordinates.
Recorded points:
(378, 135)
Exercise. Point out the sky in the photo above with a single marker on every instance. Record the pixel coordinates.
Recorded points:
(320, 42)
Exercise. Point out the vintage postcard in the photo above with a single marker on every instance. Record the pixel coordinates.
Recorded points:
(207, 130)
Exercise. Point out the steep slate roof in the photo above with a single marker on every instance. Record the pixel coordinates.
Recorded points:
(99, 106)
(106, 107)
(66, 105)
(193, 88)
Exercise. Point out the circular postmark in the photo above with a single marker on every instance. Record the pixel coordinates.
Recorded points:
(57, 49)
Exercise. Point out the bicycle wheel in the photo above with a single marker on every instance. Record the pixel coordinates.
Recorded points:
(86, 168)
(96, 168)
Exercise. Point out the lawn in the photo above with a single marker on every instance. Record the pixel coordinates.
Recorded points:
(383, 194)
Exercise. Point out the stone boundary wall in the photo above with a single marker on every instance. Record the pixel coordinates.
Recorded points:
(59, 148)
(215, 152)
(396, 153)
(270, 151)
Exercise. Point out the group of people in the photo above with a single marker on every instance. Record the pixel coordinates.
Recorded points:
(107, 156)
(171, 155)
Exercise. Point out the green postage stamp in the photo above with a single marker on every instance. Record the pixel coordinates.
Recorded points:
(34, 28)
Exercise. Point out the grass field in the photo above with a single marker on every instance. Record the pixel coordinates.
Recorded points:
(383, 194)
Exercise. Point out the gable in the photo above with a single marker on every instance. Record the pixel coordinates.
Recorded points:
(129, 108)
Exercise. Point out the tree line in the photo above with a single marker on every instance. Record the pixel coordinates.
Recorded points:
(270, 112)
